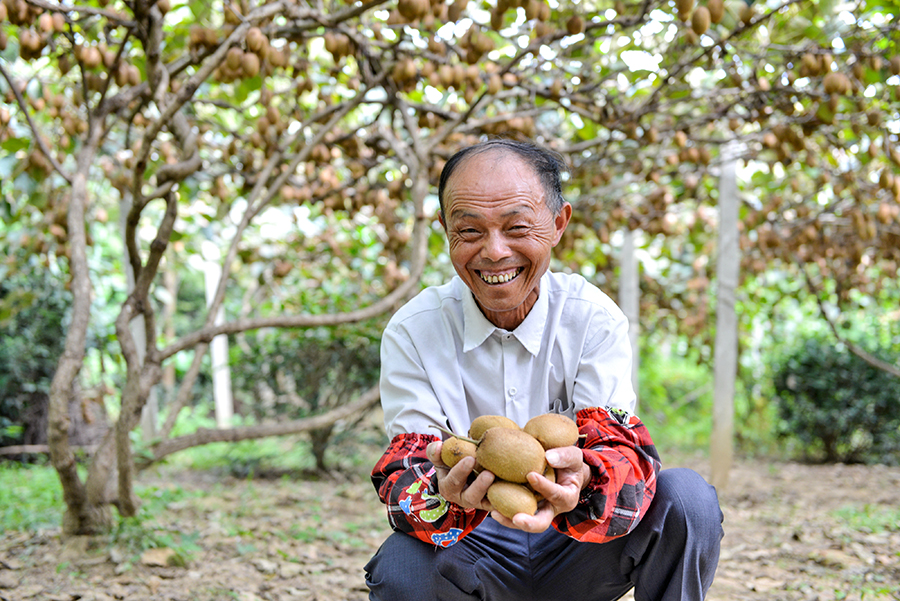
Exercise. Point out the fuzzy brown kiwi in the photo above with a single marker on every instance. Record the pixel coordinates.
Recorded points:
(510, 498)
(552, 430)
(483, 423)
(510, 454)
(454, 449)
(700, 20)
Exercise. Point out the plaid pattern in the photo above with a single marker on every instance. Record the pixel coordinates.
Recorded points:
(406, 483)
(617, 447)
(624, 464)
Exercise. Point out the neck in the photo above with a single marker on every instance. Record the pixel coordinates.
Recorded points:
(512, 319)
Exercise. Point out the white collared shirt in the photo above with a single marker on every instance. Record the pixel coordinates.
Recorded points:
(443, 363)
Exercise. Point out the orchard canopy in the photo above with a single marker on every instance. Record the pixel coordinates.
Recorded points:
(298, 144)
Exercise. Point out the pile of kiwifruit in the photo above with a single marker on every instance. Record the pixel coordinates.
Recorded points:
(500, 446)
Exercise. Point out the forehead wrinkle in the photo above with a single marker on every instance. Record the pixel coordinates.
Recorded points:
(494, 160)
(462, 213)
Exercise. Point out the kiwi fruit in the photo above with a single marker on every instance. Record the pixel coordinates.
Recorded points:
(510, 454)
(455, 449)
(575, 25)
(552, 430)
(509, 498)
(700, 20)
(684, 8)
(483, 423)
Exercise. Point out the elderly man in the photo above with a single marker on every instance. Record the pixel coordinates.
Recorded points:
(508, 337)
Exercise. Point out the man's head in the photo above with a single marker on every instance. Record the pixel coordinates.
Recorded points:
(547, 165)
(503, 211)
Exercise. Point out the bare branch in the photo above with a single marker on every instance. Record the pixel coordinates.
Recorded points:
(853, 348)
(185, 391)
(40, 449)
(111, 15)
(176, 172)
(36, 134)
(206, 436)
(254, 209)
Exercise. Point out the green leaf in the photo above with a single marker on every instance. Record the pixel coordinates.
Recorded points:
(13, 145)
(7, 163)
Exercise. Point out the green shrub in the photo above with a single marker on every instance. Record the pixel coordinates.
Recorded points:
(289, 376)
(675, 401)
(836, 406)
(33, 312)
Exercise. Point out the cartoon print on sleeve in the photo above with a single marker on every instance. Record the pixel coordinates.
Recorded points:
(446, 539)
(426, 515)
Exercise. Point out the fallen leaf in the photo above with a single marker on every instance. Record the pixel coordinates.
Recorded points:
(833, 558)
(162, 556)
(764, 585)
(8, 580)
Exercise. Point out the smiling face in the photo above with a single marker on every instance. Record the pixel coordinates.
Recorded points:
(501, 233)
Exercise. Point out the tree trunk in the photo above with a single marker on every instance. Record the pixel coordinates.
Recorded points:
(81, 517)
(150, 412)
(726, 344)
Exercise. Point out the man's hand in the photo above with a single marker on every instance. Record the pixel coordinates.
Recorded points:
(572, 475)
(453, 484)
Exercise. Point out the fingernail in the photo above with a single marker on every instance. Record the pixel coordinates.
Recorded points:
(552, 457)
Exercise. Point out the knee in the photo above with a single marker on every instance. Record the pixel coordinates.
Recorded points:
(689, 498)
(401, 570)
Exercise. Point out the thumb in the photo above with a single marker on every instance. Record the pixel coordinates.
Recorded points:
(564, 457)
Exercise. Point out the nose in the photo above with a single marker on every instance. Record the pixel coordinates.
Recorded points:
(495, 247)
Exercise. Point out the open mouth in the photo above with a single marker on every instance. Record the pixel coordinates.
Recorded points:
(499, 278)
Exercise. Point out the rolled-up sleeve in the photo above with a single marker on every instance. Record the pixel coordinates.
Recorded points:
(624, 465)
(406, 483)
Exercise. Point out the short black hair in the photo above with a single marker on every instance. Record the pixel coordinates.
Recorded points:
(547, 164)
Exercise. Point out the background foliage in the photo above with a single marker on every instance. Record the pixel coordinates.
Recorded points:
(296, 147)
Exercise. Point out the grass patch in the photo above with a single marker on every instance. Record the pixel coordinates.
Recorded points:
(873, 519)
(30, 498)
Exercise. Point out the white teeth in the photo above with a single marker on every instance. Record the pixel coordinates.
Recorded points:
(499, 279)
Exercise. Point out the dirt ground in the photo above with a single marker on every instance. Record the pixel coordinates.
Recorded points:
(793, 532)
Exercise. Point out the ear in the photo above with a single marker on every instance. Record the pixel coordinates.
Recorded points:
(561, 221)
(441, 220)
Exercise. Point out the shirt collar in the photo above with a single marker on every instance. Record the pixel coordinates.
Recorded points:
(530, 332)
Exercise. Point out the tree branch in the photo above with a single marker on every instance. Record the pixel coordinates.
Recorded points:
(206, 436)
(185, 391)
(853, 348)
(38, 139)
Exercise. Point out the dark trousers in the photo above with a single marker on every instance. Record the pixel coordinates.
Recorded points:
(670, 556)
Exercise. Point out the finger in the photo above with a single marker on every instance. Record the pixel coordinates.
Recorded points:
(536, 523)
(455, 479)
(433, 451)
(475, 495)
(540, 484)
(565, 458)
(562, 497)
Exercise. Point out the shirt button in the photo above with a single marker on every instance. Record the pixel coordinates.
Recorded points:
(512, 391)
